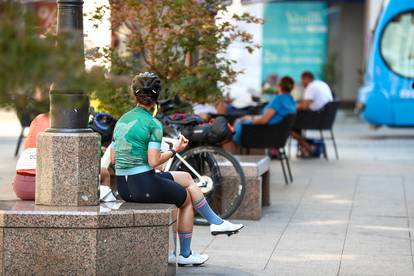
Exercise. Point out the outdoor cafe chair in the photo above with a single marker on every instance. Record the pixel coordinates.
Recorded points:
(320, 120)
(270, 136)
(25, 118)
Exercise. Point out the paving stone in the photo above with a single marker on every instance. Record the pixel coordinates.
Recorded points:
(373, 265)
(302, 263)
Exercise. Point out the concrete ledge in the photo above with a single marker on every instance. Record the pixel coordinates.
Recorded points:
(96, 240)
(256, 169)
(254, 165)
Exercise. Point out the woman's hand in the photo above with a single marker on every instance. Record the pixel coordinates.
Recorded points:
(181, 144)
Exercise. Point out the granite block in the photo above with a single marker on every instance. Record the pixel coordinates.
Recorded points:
(156, 216)
(27, 214)
(254, 165)
(1, 251)
(266, 189)
(40, 251)
(257, 193)
(172, 248)
(68, 167)
(130, 239)
(132, 251)
(251, 205)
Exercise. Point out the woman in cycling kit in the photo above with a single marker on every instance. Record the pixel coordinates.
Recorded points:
(137, 141)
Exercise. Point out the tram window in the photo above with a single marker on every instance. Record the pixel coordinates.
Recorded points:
(397, 44)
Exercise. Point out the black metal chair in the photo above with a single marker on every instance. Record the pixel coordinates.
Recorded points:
(270, 136)
(25, 119)
(320, 120)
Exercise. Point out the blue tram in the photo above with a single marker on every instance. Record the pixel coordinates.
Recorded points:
(387, 96)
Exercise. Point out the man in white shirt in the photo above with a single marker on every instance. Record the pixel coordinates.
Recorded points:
(317, 95)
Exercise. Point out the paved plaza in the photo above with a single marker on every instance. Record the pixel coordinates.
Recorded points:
(354, 216)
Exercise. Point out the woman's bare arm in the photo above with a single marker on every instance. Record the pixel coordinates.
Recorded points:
(263, 119)
(156, 158)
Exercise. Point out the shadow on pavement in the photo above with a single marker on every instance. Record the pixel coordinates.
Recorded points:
(387, 137)
(211, 270)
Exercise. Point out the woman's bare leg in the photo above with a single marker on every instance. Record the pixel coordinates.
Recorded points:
(185, 226)
(186, 216)
(199, 202)
(105, 177)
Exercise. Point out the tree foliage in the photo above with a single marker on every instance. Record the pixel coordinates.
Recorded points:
(31, 61)
(183, 41)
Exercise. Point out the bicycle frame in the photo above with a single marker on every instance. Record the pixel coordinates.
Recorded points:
(169, 142)
(165, 145)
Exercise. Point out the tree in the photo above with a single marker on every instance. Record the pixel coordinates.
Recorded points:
(183, 41)
(30, 61)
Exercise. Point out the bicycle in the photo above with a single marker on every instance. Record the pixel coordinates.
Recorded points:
(217, 172)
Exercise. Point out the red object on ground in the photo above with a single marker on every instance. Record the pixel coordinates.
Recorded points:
(24, 186)
(39, 124)
(24, 183)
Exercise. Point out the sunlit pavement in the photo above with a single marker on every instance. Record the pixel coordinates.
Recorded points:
(354, 216)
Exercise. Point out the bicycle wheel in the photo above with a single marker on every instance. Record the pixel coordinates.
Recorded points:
(222, 176)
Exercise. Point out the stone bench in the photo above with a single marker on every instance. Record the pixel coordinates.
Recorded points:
(257, 172)
(134, 239)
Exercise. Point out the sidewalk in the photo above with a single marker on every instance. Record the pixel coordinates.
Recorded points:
(9, 131)
(354, 216)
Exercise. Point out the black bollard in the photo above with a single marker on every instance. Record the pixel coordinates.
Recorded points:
(69, 107)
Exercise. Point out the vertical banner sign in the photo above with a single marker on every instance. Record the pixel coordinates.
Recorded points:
(294, 38)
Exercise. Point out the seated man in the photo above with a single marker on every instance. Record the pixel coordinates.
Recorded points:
(317, 95)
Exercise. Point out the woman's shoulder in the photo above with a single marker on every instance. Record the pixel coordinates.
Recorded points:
(126, 115)
(278, 98)
(286, 96)
(157, 123)
(283, 99)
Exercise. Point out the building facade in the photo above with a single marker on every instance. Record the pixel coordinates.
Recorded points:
(331, 38)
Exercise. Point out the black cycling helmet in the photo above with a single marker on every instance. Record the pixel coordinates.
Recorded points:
(146, 85)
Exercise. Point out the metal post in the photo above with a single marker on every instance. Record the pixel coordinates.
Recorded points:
(69, 106)
(67, 171)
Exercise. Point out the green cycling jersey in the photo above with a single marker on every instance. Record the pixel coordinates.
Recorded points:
(135, 132)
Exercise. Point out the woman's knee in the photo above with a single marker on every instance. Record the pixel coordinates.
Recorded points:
(183, 178)
(188, 178)
(193, 188)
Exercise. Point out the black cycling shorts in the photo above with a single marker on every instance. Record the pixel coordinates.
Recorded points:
(151, 187)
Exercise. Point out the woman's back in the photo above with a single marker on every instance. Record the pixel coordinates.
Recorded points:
(135, 132)
(283, 104)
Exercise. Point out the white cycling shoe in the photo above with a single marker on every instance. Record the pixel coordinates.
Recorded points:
(194, 259)
(226, 227)
(172, 259)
